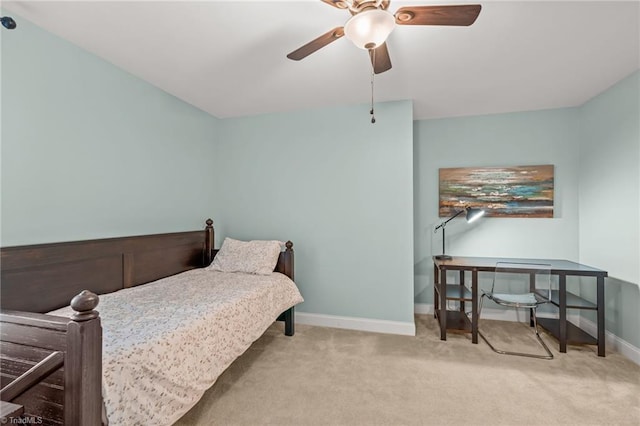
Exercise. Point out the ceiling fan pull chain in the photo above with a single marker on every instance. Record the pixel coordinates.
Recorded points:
(373, 55)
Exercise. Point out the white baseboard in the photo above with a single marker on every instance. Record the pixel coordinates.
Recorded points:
(423, 308)
(354, 323)
(612, 341)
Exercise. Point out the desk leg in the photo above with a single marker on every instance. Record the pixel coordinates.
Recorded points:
(474, 307)
(436, 281)
(462, 283)
(600, 304)
(563, 312)
(443, 305)
(532, 289)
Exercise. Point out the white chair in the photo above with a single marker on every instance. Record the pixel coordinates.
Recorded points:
(508, 274)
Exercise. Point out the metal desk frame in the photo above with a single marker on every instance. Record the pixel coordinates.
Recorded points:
(563, 330)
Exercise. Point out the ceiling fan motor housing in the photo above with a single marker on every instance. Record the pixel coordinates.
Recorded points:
(357, 6)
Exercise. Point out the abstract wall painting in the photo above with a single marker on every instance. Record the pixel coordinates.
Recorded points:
(520, 191)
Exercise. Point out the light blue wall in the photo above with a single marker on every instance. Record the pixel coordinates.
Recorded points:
(90, 151)
(515, 139)
(340, 188)
(609, 194)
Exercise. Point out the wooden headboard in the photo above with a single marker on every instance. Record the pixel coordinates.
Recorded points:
(41, 278)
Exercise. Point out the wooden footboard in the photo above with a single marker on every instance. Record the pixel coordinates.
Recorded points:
(52, 366)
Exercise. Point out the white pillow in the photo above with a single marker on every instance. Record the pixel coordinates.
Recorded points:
(251, 257)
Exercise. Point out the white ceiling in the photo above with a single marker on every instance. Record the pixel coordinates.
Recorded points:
(229, 57)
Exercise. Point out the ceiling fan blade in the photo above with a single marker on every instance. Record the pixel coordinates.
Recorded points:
(380, 59)
(460, 15)
(340, 4)
(316, 44)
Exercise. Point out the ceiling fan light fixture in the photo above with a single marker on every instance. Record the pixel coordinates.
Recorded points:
(369, 28)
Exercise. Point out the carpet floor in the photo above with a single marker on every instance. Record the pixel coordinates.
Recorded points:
(326, 376)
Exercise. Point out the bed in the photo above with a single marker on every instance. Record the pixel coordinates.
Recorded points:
(155, 359)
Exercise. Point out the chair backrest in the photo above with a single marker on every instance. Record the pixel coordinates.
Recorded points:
(523, 277)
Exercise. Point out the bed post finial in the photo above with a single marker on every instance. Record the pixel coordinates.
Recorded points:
(83, 363)
(287, 257)
(208, 243)
(84, 305)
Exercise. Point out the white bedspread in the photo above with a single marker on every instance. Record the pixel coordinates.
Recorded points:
(166, 342)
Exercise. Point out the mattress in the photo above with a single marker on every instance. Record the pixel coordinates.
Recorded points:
(165, 343)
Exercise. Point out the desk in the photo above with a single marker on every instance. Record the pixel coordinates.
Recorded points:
(563, 330)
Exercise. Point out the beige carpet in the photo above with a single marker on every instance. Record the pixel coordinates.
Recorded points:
(325, 376)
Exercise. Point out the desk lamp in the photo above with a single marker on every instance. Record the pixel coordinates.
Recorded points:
(472, 214)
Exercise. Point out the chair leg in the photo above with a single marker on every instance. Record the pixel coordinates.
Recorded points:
(480, 307)
(535, 329)
(531, 315)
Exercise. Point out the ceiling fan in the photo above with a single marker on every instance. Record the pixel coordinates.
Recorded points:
(371, 24)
